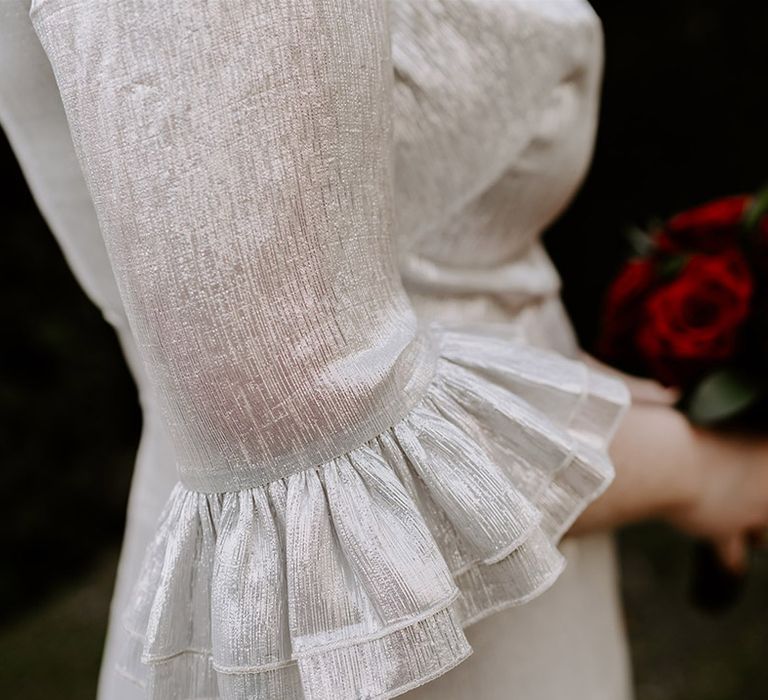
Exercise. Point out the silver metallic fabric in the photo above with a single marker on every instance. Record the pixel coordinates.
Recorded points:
(289, 193)
(359, 574)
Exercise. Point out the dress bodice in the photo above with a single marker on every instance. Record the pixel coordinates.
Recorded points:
(495, 113)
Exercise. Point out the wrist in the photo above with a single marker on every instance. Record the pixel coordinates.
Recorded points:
(684, 470)
(657, 466)
(657, 471)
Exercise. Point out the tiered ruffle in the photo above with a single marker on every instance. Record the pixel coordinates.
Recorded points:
(354, 579)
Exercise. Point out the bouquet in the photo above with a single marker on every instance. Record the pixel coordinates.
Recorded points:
(690, 308)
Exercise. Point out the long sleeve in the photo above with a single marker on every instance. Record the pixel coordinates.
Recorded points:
(355, 486)
(239, 161)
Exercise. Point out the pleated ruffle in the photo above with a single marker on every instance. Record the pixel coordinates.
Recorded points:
(355, 579)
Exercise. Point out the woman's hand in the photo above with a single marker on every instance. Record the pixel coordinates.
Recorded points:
(728, 503)
(710, 484)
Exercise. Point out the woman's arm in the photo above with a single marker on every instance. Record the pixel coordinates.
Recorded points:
(709, 484)
(654, 471)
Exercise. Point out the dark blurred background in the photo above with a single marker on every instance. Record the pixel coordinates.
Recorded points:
(684, 119)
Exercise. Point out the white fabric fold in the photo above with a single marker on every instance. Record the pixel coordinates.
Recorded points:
(355, 578)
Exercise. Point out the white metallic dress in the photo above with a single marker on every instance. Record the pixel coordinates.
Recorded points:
(315, 226)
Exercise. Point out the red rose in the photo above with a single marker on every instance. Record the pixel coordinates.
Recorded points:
(624, 308)
(693, 323)
(709, 228)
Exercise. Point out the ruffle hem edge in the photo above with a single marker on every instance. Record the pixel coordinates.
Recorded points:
(355, 579)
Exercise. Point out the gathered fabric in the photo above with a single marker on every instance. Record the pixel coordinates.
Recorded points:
(362, 572)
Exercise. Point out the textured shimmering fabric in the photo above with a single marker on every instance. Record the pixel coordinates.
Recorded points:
(357, 486)
(359, 574)
(495, 107)
(238, 156)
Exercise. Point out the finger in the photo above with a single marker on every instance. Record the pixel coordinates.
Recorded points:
(733, 552)
(649, 391)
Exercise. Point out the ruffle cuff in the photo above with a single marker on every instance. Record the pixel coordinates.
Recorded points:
(354, 579)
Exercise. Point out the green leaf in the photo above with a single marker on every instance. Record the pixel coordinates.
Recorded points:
(640, 242)
(756, 210)
(670, 267)
(721, 395)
